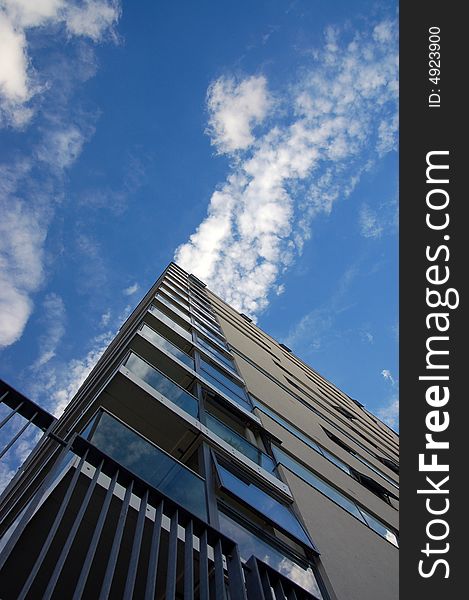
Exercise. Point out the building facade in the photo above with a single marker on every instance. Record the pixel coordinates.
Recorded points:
(201, 459)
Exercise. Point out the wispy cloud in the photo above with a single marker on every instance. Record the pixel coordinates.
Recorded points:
(53, 318)
(390, 413)
(370, 226)
(326, 132)
(379, 221)
(19, 82)
(311, 330)
(386, 373)
(31, 185)
(129, 291)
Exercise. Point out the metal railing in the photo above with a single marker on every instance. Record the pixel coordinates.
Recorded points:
(94, 529)
(87, 527)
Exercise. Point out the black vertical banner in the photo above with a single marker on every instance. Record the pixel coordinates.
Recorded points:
(434, 255)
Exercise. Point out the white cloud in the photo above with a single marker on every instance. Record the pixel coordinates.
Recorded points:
(129, 291)
(390, 413)
(386, 373)
(325, 136)
(367, 336)
(54, 321)
(61, 147)
(22, 235)
(105, 318)
(93, 19)
(370, 225)
(64, 383)
(311, 331)
(32, 185)
(234, 108)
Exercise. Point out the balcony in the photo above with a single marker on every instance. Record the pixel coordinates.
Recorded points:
(95, 529)
(241, 444)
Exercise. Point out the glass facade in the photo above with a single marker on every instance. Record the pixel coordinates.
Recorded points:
(150, 463)
(251, 544)
(168, 346)
(333, 494)
(224, 383)
(171, 390)
(240, 443)
(268, 506)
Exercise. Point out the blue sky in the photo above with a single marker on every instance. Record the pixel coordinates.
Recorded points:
(253, 140)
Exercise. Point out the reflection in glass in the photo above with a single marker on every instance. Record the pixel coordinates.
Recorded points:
(168, 321)
(249, 544)
(171, 292)
(380, 528)
(243, 445)
(317, 483)
(224, 383)
(206, 345)
(151, 464)
(335, 495)
(267, 505)
(172, 306)
(172, 391)
(207, 332)
(171, 348)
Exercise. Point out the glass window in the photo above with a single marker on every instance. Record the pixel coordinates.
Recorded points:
(240, 443)
(210, 348)
(201, 304)
(207, 331)
(198, 311)
(151, 463)
(291, 428)
(206, 322)
(309, 442)
(169, 291)
(344, 446)
(224, 383)
(332, 493)
(171, 348)
(318, 483)
(170, 322)
(163, 384)
(172, 306)
(251, 544)
(267, 505)
(380, 528)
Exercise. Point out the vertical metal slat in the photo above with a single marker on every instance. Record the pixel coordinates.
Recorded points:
(266, 585)
(172, 558)
(219, 575)
(279, 592)
(235, 574)
(203, 566)
(53, 529)
(31, 507)
(71, 536)
(189, 562)
(154, 552)
(253, 581)
(291, 594)
(95, 539)
(20, 432)
(133, 563)
(11, 413)
(112, 560)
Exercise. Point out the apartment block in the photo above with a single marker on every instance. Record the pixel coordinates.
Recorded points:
(200, 459)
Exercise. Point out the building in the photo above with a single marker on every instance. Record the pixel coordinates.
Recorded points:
(201, 459)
